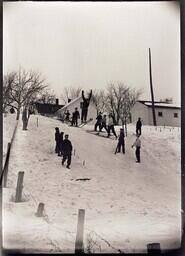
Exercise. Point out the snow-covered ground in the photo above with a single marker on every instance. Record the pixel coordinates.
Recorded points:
(127, 204)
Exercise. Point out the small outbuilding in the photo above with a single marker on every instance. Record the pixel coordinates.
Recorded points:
(77, 103)
(167, 114)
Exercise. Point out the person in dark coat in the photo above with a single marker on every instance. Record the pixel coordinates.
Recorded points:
(137, 145)
(121, 142)
(67, 114)
(85, 105)
(111, 126)
(138, 126)
(67, 151)
(12, 110)
(57, 139)
(98, 122)
(75, 117)
(61, 143)
(104, 123)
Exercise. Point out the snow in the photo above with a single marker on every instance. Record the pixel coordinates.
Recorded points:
(127, 204)
(169, 105)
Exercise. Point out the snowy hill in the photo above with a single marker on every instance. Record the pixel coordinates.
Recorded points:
(127, 204)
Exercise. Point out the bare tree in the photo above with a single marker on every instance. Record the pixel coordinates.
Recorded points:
(7, 88)
(25, 87)
(99, 99)
(120, 99)
(70, 93)
(46, 96)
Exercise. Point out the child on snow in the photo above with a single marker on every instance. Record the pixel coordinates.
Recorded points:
(57, 139)
(137, 144)
(67, 151)
(121, 142)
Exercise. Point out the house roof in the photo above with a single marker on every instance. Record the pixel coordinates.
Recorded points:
(70, 103)
(160, 104)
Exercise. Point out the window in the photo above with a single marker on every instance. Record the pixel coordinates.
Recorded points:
(176, 115)
(160, 114)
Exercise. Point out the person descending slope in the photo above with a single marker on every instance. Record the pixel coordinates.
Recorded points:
(121, 142)
(137, 145)
(104, 123)
(111, 126)
(98, 122)
(85, 105)
(67, 151)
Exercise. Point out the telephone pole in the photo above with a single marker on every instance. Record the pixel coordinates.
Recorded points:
(151, 88)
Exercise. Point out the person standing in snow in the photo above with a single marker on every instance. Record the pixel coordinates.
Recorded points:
(67, 151)
(98, 122)
(121, 142)
(104, 123)
(67, 114)
(61, 143)
(111, 126)
(137, 145)
(85, 105)
(138, 126)
(57, 140)
(75, 117)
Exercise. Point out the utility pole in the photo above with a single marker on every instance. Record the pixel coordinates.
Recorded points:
(151, 88)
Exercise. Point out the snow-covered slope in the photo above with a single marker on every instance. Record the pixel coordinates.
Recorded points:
(127, 204)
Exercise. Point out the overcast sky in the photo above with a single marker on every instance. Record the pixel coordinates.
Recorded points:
(89, 44)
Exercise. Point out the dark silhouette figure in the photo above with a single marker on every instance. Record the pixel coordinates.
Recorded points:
(75, 117)
(57, 139)
(12, 110)
(85, 105)
(67, 151)
(138, 126)
(67, 114)
(111, 126)
(121, 141)
(104, 123)
(137, 145)
(61, 143)
(98, 122)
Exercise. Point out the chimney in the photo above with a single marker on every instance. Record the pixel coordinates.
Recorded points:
(56, 101)
(69, 100)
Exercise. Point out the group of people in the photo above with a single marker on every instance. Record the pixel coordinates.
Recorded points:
(76, 114)
(63, 147)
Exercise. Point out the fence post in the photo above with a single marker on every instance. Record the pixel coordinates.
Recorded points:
(83, 162)
(5, 169)
(37, 122)
(80, 230)
(154, 249)
(40, 210)
(19, 188)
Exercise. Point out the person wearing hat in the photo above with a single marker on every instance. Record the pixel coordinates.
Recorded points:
(121, 142)
(104, 123)
(111, 126)
(138, 126)
(137, 145)
(75, 117)
(98, 122)
(67, 151)
(57, 140)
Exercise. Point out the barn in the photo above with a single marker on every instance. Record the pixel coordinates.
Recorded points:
(77, 103)
(167, 114)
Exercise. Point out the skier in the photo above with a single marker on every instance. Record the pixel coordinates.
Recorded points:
(138, 126)
(98, 122)
(67, 114)
(85, 105)
(137, 144)
(121, 142)
(67, 151)
(104, 123)
(57, 139)
(75, 117)
(111, 126)
(61, 143)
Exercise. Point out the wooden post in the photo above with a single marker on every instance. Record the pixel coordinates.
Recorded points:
(37, 122)
(74, 152)
(154, 249)
(40, 210)
(5, 170)
(80, 230)
(19, 188)
(83, 162)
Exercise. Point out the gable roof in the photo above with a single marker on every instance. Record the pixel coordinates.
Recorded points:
(159, 104)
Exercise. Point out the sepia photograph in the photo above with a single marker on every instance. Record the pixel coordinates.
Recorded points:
(91, 127)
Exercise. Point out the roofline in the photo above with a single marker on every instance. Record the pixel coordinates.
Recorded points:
(156, 102)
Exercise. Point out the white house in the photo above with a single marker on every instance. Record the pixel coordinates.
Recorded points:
(166, 113)
(77, 103)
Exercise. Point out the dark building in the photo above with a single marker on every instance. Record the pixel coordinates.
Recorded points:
(47, 108)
